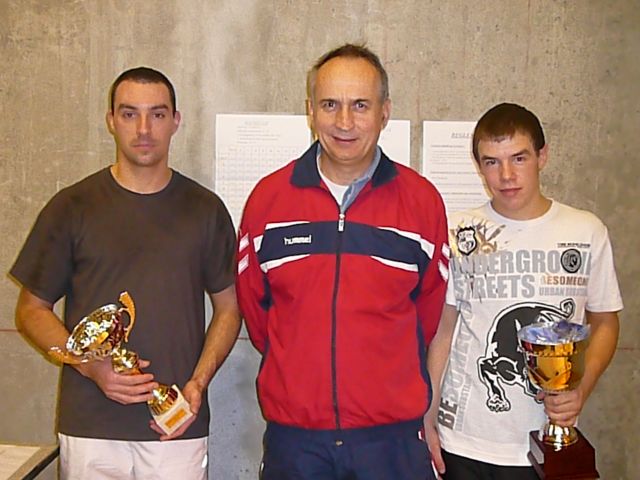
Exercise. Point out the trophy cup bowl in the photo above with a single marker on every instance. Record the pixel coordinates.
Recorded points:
(554, 364)
(102, 334)
(98, 334)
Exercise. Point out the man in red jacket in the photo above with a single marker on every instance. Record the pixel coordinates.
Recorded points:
(342, 267)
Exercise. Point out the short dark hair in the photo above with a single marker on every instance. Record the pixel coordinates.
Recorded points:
(350, 50)
(503, 121)
(142, 75)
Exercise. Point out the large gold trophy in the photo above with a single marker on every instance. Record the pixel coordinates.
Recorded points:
(554, 354)
(102, 334)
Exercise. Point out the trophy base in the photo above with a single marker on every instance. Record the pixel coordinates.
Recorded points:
(176, 415)
(573, 462)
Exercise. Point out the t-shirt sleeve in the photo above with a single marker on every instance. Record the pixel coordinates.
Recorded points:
(44, 264)
(221, 244)
(603, 292)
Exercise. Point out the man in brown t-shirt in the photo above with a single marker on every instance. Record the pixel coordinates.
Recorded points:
(138, 226)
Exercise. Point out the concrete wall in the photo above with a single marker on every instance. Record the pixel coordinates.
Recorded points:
(573, 62)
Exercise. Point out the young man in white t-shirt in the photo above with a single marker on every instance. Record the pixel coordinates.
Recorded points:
(519, 259)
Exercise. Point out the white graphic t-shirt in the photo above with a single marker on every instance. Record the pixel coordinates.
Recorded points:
(504, 275)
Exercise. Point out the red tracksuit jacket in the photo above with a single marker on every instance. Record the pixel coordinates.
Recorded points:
(342, 306)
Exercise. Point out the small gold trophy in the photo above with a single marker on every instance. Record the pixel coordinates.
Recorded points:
(554, 355)
(103, 334)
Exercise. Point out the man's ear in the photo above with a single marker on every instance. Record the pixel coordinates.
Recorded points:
(177, 118)
(543, 157)
(309, 107)
(386, 112)
(109, 120)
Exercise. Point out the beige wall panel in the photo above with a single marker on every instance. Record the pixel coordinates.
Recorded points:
(572, 62)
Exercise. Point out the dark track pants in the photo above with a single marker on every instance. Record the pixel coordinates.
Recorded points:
(386, 452)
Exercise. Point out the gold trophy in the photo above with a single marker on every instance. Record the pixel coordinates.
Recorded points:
(103, 334)
(554, 355)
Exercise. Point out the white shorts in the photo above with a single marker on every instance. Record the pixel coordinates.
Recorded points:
(98, 459)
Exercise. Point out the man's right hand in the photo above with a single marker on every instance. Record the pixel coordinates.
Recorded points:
(119, 387)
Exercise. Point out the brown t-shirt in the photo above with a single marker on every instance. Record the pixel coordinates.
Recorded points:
(94, 240)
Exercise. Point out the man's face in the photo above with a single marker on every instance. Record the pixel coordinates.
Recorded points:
(511, 170)
(142, 123)
(348, 113)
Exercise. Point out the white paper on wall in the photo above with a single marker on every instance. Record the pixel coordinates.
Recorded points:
(395, 141)
(447, 161)
(249, 147)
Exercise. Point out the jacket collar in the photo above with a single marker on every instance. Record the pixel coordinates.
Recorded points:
(305, 171)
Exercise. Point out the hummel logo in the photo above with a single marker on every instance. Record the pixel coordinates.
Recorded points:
(296, 240)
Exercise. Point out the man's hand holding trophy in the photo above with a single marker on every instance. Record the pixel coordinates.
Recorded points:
(103, 334)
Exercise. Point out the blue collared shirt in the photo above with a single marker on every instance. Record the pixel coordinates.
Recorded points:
(358, 184)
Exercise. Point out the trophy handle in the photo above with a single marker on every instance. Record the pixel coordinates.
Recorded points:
(130, 308)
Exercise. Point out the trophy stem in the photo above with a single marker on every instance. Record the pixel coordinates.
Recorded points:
(125, 361)
(163, 399)
(557, 436)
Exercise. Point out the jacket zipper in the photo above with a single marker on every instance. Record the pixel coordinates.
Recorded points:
(334, 320)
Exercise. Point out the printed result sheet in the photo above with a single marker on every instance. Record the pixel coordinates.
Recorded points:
(447, 161)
